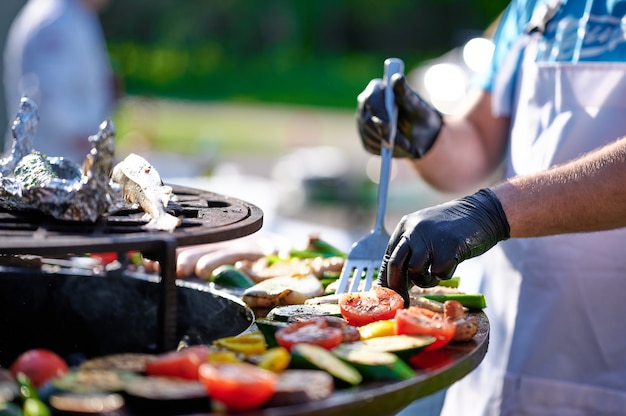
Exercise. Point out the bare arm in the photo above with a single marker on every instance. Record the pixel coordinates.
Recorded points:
(468, 149)
(586, 194)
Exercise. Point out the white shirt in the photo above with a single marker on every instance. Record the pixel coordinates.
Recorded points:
(56, 54)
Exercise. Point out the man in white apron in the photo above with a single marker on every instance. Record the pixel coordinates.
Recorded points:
(556, 90)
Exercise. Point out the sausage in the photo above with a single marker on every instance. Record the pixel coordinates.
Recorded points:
(453, 309)
(206, 264)
(466, 328)
(187, 257)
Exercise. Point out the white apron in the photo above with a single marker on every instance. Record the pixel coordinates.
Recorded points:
(558, 340)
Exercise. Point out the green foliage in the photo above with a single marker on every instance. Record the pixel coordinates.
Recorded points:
(316, 52)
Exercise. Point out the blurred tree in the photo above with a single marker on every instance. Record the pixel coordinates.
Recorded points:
(281, 50)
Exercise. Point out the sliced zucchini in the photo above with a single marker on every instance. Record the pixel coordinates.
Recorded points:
(470, 301)
(404, 346)
(283, 313)
(309, 356)
(88, 381)
(375, 365)
(268, 328)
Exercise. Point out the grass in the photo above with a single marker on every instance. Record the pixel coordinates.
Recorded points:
(193, 128)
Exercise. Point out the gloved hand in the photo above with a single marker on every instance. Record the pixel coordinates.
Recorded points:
(418, 122)
(427, 245)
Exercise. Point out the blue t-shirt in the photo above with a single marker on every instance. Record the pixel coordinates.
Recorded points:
(580, 31)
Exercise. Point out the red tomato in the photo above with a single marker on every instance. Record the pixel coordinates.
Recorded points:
(182, 364)
(105, 257)
(421, 321)
(360, 308)
(39, 365)
(314, 331)
(239, 386)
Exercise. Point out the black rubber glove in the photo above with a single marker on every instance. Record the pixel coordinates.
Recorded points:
(418, 122)
(427, 245)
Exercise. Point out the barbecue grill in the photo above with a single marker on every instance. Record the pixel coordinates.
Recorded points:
(165, 308)
(207, 217)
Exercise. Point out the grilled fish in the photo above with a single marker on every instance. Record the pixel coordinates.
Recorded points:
(283, 290)
(141, 184)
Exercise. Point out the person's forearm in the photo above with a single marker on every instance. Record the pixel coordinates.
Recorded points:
(587, 194)
(468, 149)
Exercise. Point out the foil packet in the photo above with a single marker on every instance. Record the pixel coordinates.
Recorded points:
(55, 186)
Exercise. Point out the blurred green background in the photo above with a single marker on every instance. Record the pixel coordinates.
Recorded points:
(310, 52)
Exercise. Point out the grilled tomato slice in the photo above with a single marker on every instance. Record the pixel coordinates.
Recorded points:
(239, 386)
(314, 331)
(361, 308)
(421, 321)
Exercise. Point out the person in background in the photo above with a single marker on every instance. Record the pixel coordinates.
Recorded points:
(555, 90)
(56, 55)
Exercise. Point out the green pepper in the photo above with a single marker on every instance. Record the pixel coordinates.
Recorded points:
(322, 246)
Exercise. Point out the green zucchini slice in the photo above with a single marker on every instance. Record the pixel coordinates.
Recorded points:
(309, 356)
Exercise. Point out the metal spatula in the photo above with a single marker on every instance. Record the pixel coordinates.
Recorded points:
(366, 254)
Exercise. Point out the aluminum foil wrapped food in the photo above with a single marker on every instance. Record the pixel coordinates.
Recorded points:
(53, 185)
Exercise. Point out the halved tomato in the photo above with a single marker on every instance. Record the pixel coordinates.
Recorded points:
(39, 365)
(360, 308)
(239, 386)
(182, 364)
(421, 321)
(314, 331)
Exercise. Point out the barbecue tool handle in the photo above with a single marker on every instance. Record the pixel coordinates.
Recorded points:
(392, 66)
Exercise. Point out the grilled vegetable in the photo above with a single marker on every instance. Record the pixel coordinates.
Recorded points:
(90, 381)
(470, 301)
(420, 321)
(239, 386)
(313, 331)
(166, 395)
(86, 404)
(133, 362)
(268, 328)
(404, 346)
(382, 328)
(308, 356)
(229, 276)
(275, 359)
(39, 365)
(183, 364)
(285, 313)
(248, 344)
(375, 365)
(360, 308)
(301, 386)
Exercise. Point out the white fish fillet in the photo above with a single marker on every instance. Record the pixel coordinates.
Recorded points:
(284, 290)
(141, 184)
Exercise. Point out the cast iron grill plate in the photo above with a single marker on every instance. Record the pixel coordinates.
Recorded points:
(207, 217)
